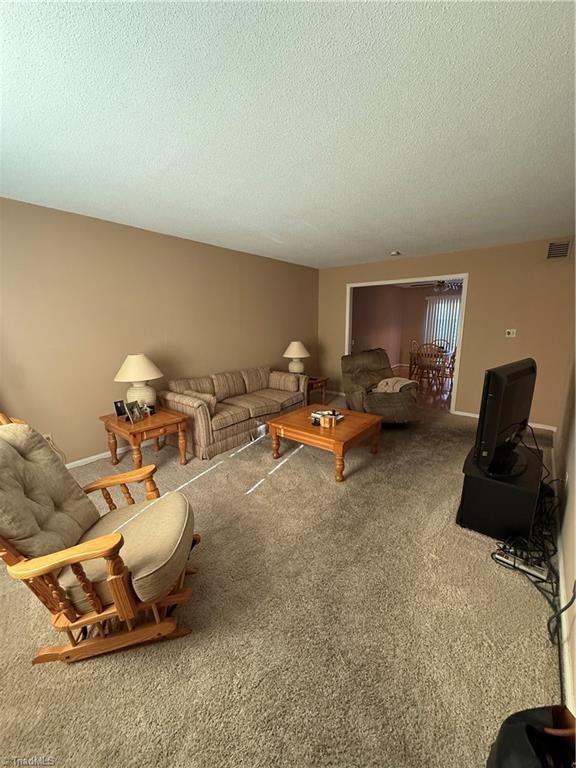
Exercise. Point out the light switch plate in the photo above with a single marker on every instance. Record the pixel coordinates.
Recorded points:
(510, 333)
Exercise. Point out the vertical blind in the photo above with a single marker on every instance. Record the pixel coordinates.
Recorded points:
(442, 315)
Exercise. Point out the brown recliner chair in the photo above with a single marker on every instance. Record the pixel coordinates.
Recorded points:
(361, 372)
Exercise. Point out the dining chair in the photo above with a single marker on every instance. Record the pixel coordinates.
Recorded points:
(413, 360)
(429, 363)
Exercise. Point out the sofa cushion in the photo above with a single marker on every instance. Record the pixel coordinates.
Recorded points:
(255, 378)
(255, 404)
(228, 384)
(288, 382)
(197, 384)
(210, 400)
(179, 385)
(42, 507)
(284, 399)
(157, 541)
(202, 384)
(227, 414)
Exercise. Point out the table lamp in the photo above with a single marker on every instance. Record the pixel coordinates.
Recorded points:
(296, 350)
(139, 369)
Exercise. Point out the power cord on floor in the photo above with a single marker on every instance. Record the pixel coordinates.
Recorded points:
(554, 621)
(535, 558)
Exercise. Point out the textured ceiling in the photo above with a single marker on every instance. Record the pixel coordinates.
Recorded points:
(318, 133)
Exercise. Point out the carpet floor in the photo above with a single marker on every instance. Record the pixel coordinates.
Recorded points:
(333, 624)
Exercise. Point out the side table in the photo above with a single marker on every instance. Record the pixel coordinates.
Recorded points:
(163, 422)
(318, 384)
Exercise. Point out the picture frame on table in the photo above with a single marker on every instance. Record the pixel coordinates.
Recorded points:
(120, 408)
(134, 411)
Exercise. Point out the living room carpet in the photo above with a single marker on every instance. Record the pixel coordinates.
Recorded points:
(333, 624)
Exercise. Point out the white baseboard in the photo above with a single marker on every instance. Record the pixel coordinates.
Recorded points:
(465, 413)
(534, 424)
(105, 455)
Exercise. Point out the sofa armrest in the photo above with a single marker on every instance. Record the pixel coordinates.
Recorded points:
(285, 381)
(303, 385)
(195, 409)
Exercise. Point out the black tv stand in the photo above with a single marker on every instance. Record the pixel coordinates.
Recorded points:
(502, 507)
(512, 465)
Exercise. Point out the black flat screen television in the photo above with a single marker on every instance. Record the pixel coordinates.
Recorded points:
(504, 414)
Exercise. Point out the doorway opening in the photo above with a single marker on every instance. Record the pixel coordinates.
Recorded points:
(419, 322)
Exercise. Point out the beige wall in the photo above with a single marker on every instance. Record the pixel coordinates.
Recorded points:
(78, 294)
(511, 286)
(566, 469)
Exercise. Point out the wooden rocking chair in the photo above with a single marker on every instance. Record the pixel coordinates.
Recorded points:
(53, 539)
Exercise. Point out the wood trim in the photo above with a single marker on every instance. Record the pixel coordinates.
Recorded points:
(112, 642)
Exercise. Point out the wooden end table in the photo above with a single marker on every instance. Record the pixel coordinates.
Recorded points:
(354, 427)
(318, 384)
(163, 422)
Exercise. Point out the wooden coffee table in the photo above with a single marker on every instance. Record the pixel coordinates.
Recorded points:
(163, 422)
(353, 428)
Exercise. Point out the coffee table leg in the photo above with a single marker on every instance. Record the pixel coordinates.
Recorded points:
(136, 454)
(275, 444)
(182, 445)
(375, 441)
(112, 445)
(339, 467)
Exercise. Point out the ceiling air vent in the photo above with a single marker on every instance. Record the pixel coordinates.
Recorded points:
(558, 249)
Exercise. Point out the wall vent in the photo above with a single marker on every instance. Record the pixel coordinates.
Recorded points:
(559, 249)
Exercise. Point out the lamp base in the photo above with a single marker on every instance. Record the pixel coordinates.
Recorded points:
(296, 365)
(143, 393)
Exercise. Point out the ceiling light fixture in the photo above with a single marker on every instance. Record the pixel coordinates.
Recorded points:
(395, 253)
(443, 286)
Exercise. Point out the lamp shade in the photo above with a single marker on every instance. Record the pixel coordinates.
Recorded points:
(296, 350)
(138, 368)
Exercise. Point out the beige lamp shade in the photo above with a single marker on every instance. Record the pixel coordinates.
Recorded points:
(296, 350)
(139, 369)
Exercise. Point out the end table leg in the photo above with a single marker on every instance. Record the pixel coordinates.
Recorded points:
(112, 445)
(182, 445)
(375, 441)
(157, 443)
(136, 455)
(275, 445)
(339, 467)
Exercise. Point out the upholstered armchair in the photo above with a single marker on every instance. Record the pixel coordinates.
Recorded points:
(108, 582)
(361, 374)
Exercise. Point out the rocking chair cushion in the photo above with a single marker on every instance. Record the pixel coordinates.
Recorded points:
(42, 507)
(157, 542)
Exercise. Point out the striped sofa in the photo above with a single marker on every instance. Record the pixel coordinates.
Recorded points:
(225, 409)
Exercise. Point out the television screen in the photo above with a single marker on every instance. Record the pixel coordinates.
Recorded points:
(504, 414)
